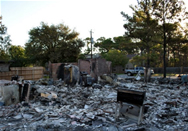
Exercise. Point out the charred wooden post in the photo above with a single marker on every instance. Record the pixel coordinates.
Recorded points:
(25, 93)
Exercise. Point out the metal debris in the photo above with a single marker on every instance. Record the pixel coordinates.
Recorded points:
(54, 106)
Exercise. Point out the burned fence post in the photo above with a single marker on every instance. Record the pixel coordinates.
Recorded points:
(131, 97)
(20, 92)
(25, 93)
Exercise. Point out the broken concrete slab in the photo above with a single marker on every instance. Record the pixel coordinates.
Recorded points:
(9, 94)
(13, 92)
(5, 82)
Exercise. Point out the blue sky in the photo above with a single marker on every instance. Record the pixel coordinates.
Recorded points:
(102, 16)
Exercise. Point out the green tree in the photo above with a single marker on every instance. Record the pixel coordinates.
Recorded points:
(141, 28)
(4, 41)
(87, 46)
(125, 44)
(156, 22)
(53, 43)
(4, 55)
(17, 54)
(184, 48)
(118, 58)
(104, 44)
(168, 12)
(120, 43)
(174, 42)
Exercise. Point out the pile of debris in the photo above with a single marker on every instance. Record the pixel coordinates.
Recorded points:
(53, 106)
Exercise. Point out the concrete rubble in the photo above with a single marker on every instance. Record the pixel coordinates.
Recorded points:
(52, 106)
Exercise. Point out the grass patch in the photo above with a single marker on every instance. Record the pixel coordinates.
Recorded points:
(168, 75)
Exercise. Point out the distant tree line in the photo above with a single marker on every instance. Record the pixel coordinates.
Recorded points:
(153, 32)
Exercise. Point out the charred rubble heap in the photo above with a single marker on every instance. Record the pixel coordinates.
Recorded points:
(53, 106)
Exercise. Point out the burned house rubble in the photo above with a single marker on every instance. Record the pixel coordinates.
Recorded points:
(51, 105)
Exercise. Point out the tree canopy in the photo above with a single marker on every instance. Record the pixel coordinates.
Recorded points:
(55, 43)
(114, 50)
(146, 29)
(120, 43)
(5, 41)
(17, 54)
(118, 58)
